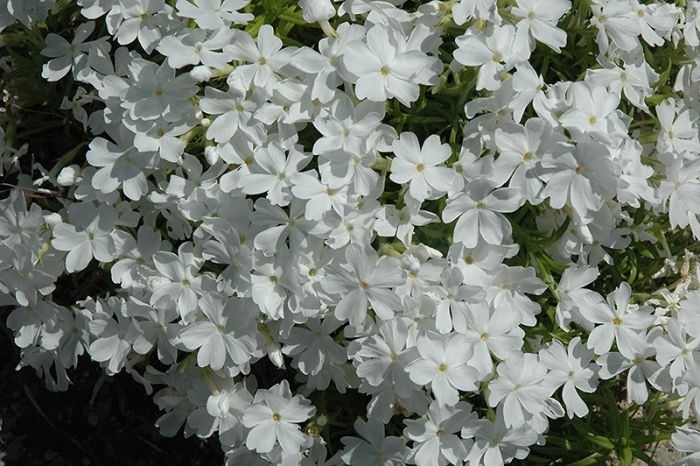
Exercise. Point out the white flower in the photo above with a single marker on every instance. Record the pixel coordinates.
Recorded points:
(494, 53)
(30, 323)
(120, 165)
(273, 172)
(178, 282)
(539, 20)
(226, 248)
(155, 92)
(521, 149)
(690, 381)
(157, 329)
(214, 14)
(235, 114)
(420, 167)
(443, 365)
(527, 84)
(633, 80)
(454, 300)
(681, 189)
(479, 213)
(619, 322)
(615, 20)
(435, 442)
(20, 275)
(320, 197)
(481, 9)
(66, 56)
(145, 20)
(28, 12)
(489, 332)
(642, 369)
(383, 357)
(386, 67)
(582, 177)
(162, 137)
(340, 168)
(270, 285)
(592, 112)
(675, 349)
(687, 440)
(226, 338)
(522, 388)
(365, 279)
(273, 419)
(679, 128)
(324, 69)
(19, 225)
(195, 46)
(346, 126)
(496, 443)
(401, 223)
(573, 296)
(313, 347)
(115, 332)
(572, 368)
(94, 238)
(374, 449)
(265, 56)
(692, 23)
(228, 405)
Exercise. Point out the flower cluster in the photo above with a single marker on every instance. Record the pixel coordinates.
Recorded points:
(424, 207)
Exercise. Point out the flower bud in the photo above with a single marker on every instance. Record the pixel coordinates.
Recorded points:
(201, 73)
(316, 10)
(69, 175)
(211, 154)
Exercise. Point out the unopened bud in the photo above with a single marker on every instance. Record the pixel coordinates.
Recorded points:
(69, 175)
(201, 73)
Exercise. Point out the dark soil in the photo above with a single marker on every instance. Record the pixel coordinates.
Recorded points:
(39, 427)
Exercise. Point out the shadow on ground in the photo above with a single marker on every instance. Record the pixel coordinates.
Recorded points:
(44, 428)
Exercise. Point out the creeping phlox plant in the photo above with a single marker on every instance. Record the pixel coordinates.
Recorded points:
(366, 232)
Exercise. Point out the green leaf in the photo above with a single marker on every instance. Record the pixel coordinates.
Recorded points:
(594, 458)
(626, 457)
(601, 441)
